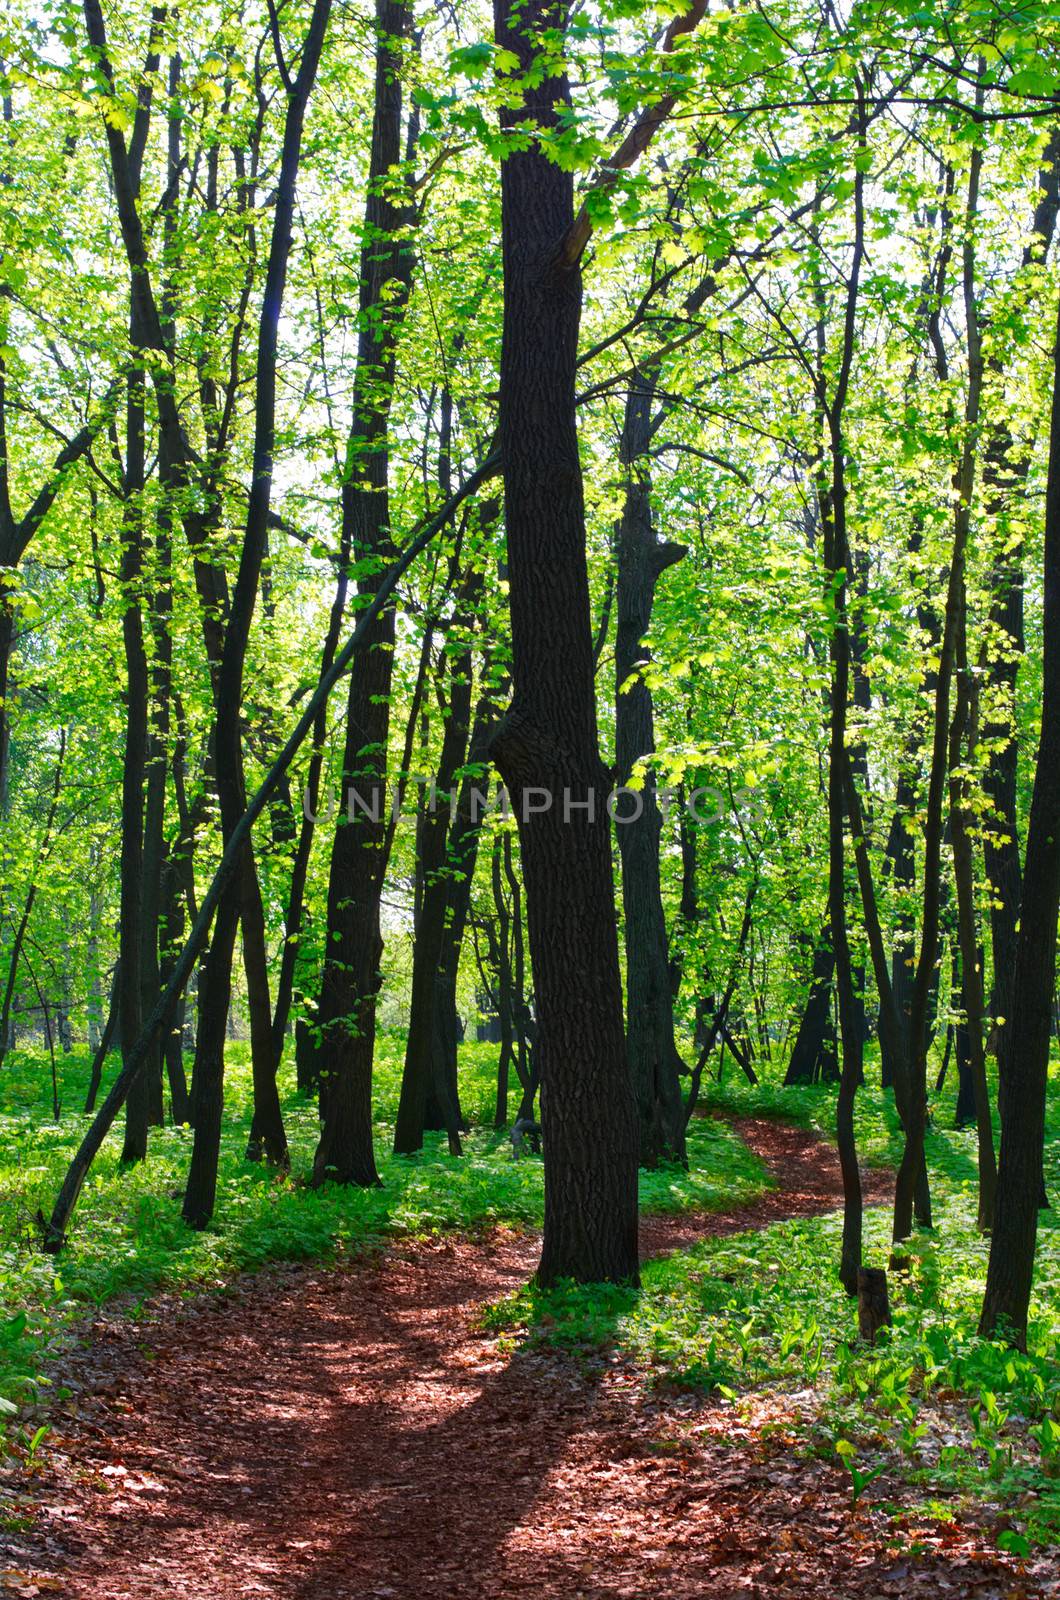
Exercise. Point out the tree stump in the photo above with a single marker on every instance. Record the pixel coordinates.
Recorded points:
(874, 1311)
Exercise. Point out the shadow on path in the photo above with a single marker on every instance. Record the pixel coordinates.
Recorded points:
(349, 1434)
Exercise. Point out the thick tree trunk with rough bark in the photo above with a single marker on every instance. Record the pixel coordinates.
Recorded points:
(546, 747)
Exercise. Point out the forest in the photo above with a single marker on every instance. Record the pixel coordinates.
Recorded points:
(529, 798)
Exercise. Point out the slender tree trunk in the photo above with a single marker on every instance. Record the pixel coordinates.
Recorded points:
(209, 1068)
(1002, 477)
(964, 1111)
(1023, 1088)
(834, 521)
(915, 1119)
(103, 1048)
(130, 935)
(155, 806)
(267, 1135)
(501, 991)
(642, 559)
(963, 736)
(170, 934)
(420, 1054)
(56, 1230)
(293, 920)
(22, 929)
(465, 834)
(7, 640)
(524, 1028)
(353, 942)
(901, 857)
(548, 740)
(832, 499)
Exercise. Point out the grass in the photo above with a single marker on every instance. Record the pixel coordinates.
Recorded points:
(961, 1419)
(128, 1239)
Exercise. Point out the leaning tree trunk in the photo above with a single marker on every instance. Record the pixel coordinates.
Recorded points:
(103, 1048)
(653, 1058)
(1012, 1247)
(546, 747)
(209, 1056)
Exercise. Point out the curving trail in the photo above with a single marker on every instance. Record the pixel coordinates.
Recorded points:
(349, 1434)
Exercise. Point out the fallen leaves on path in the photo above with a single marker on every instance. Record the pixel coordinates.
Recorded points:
(351, 1434)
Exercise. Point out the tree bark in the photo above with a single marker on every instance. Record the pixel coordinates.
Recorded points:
(22, 929)
(353, 943)
(209, 1069)
(1012, 1247)
(548, 740)
(134, 761)
(190, 955)
(963, 734)
(653, 1057)
(421, 1057)
(95, 1075)
(914, 1114)
(804, 1065)
(1002, 476)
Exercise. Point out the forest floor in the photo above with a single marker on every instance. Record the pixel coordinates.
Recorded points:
(350, 1433)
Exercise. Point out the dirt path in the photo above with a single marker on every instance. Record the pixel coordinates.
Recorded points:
(345, 1435)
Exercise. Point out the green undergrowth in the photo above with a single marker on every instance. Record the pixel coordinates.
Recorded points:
(128, 1240)
(961, 1419)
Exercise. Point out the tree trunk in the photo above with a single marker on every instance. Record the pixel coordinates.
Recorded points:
(7, 640)
(170, 934)
(915, 1114)
(653, 1058)
(267, 1134)
(209, 1069)
(1002, 476)
(103, 1048)
(548, 740)
(17, 943)
(130, 933)
(1023, 1087)
(353, 943)
(963, 735)
(421, 1057)
(810, 1041)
